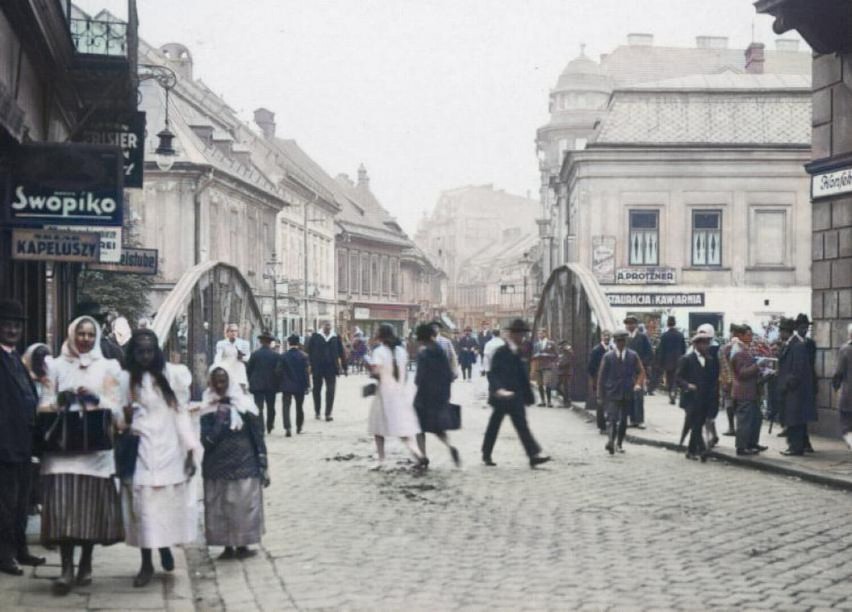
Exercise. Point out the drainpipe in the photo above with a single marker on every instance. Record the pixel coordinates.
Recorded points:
(204, 181)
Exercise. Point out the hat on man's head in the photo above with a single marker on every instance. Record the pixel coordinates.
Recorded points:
(787, 324)
(702, 334)
(293, 340)
(265, 335)
(439, 323)
(620, 334)
(519, 326)
(671, 321)
(11, 310)
(735, 328)
(631, 319)
(802, 319)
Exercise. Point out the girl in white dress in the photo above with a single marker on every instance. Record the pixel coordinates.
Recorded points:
(158, 504)
(392, 413)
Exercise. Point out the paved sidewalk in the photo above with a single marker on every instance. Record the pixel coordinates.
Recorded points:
(831, 464)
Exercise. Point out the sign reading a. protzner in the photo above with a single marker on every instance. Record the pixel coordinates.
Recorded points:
(54, 245)
(65, 184)
(656, 299)
(134, 261)
(645, 276)
(831, 183)
(126, 131)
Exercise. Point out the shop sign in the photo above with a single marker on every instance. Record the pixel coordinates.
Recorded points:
(125, 131)
(645, 276)
(110, 240)
(660, 300)
(361, 313)
(603, 258)
(132, 261)
(831, 183)
(64, 184)
(55, 245)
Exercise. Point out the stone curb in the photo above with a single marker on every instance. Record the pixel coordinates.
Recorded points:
(729, 456)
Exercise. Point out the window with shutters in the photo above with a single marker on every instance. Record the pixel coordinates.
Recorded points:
(706, 238)
(644, 237)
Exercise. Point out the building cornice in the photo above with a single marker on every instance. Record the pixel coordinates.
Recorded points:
(826, 25)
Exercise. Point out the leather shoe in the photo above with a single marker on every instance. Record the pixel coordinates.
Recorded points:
(244, 552)
(487, 461)
(730, 432)
(143, 578)
(534, 461)
(226, 554)
(792, 453)
(31, 560)
(760, 448)
(11, 568)
(782, 433)
(809, 449)
(610, 447)
(745, 452)
(288, 434)
(328, 418)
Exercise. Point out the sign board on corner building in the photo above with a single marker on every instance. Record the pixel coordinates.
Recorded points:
(603, 258)
(64, 184)
(55, 245)
(645, 276)
(659, 300)
(124, 130)
(110, 240)
(834, 183)
(133, 261)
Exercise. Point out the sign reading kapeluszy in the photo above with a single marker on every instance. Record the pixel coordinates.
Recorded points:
(55, 245)
(661, 300)
(125, 131)
(65, 184)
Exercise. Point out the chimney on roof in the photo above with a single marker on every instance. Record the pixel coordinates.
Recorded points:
(265, 120)
(755, 57)
(711, 42)
(179, 59)
(363, 177)
(787, 44)
(640, 40)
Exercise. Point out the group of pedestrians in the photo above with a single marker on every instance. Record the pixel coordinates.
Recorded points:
(118, 452)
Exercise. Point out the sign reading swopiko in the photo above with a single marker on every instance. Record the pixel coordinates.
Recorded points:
(656, 299)
(53, 245)
(831, 183)
(65, 184)
(645, 276)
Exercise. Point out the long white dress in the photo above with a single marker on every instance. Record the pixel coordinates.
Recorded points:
(159, 506)
(392, 411)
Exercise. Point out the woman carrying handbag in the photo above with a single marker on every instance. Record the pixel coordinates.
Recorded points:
(158, 502)
(81, 503)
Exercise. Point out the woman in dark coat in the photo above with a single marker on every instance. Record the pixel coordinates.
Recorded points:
(432, 401)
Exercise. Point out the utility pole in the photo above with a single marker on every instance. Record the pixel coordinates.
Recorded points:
(305, 270)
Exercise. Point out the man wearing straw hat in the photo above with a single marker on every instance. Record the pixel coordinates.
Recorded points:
(698, 379)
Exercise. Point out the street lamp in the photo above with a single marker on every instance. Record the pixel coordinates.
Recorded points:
(167, 79)
(271, 274)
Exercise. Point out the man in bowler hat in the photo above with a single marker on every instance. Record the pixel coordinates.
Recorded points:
(18, 400)
(263, 372)
(509, 393)
(796, 388)
(620, 378)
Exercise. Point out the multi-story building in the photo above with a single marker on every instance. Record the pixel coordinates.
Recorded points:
(825, 26)
(465, 221)
(55, 82)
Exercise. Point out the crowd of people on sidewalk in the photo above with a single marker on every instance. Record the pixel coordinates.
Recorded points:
(742, 375)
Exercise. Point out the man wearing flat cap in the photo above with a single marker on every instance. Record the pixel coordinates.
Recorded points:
(18, 400)
(796, 388)
(638, 343)
(620, 378)
(509, 393)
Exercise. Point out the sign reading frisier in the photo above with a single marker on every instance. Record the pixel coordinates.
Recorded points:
(65, 184)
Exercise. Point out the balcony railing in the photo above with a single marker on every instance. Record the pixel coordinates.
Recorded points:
(97, 37)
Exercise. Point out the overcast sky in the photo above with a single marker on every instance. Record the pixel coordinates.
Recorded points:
(428, 94)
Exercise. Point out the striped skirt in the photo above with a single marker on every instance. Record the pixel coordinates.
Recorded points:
(80, 509)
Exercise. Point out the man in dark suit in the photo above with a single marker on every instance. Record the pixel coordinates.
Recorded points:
(509, 393)
(594, 364)
(803, 326)
(620, 377)
(671, 349)
(18, 400)
(639, 343)
(328, 360)
(294, 383)
(796, 386)
(698, 378)
(262, 372)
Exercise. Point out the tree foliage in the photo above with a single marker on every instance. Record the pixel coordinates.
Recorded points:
(122, 293)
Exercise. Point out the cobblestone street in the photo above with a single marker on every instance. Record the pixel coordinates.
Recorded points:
(588, 531)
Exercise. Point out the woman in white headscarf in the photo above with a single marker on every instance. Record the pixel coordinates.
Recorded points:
(81, 502)
(234, 468)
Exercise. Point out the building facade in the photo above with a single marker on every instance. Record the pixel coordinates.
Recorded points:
(692, 200)
(826, 28)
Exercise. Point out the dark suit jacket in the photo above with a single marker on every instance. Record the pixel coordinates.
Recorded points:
(294, 379)
(671, 349)
(706, 378)
(509, 372)
(595, 358)
(796, 383)
(263, 370)
(324, 354)
(642, 347)
(18, 401)
(617, 377)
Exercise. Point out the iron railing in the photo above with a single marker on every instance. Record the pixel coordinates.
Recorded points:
(98, 37)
